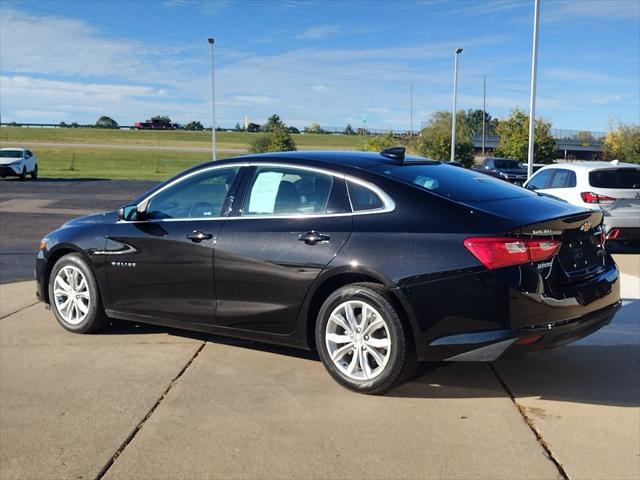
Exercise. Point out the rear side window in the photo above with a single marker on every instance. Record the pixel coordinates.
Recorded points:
(563, 179)
(615, 178)
(362, 198)
(452, 182)
(287, 191)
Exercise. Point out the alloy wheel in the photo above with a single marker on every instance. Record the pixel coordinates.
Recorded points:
(71, 292)
(358, 341)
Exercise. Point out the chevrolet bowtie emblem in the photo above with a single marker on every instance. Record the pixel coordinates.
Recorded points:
(586, 226)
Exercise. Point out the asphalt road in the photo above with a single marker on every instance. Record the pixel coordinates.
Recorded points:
(31, 209)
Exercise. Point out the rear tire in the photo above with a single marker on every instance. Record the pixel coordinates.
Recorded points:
(74, 296)
(362, 341)
(34, 174)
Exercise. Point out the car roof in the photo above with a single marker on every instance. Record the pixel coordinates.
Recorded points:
(593, 165)
(356, 159)
(13, 148)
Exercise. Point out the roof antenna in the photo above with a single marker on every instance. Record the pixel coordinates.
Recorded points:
(394, 153)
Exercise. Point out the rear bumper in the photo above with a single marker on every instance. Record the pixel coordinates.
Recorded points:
(488, 346)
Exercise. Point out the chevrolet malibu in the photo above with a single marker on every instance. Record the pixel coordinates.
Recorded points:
(377, 261)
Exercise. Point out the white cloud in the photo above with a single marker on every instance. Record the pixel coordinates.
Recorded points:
(320, 31)
(319, 88)
(599, 9)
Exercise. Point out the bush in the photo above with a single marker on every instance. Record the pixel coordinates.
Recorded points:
(277, 140)
(622, 144)
(378, 143)
(435, 139)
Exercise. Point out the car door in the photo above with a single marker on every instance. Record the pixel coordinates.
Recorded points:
(293, 221)
(560, 182)
(161, 263)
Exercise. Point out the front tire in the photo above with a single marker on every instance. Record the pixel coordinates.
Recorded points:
(74, 295)
(34, 174)
(23, 174)
(362, 340)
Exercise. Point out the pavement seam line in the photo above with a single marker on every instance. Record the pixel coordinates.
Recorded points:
(19, 310)
(529, 421)
(138, 427)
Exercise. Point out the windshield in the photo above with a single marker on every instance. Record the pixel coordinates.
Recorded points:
(455, 183)
(507, 164)
(10, 153)
(617, 178)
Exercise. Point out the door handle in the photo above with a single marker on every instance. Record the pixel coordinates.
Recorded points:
(198, 236)
(313, 237)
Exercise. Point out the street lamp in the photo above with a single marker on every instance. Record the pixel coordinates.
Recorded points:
(532, 99)
(453, 113)
(213, 104)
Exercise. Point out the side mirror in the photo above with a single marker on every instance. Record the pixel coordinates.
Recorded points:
(531, 187)
(128, 213)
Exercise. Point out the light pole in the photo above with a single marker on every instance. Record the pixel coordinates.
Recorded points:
(411, 102)
(213, 104)
(484, 108)
(532, 100)
(453, 113)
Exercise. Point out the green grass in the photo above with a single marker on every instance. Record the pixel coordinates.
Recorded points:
(178, 138)
(121, 163)
(115, 164)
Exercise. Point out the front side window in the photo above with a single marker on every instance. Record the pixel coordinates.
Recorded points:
(199, 196)
(362, 198)
(287, 191)
(540, 180)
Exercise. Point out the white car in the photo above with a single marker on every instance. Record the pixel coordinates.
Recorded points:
(18, 162)
(612, 187)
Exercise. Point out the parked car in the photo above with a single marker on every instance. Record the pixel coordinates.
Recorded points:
(505, 169)
(18, 162)
(375, 260)
(610, 187)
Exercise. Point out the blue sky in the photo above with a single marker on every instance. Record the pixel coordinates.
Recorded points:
(330, 62)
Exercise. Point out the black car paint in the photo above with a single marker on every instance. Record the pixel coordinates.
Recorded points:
(255, 279)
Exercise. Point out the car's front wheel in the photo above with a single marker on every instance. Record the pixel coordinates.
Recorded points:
(74, 296)
(23, 174)
(362, 340)
(34, 174)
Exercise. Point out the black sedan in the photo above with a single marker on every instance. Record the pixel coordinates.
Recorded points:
(375, 260)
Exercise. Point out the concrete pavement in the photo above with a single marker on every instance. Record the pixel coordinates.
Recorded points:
(147, 402)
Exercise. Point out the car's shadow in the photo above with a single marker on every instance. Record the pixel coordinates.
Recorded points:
(603, 371)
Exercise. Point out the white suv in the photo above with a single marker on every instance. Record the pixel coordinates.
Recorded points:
(612, 187)
(18, 162)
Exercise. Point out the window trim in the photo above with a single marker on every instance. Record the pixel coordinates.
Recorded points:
(388, 204)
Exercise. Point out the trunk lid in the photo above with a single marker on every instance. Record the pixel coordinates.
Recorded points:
(622, 184)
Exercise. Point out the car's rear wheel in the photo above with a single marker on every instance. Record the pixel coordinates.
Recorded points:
(362, 340)
(34, 174)
(74, 296)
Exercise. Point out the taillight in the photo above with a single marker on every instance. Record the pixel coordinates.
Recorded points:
(503, 252)
(590, 197)
(613, 234)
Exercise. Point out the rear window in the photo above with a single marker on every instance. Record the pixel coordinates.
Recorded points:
(454, 183)
(362, 198)
(616, 178)
(503, 164)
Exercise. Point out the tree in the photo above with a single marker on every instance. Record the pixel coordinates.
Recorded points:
(378, 143)
(435, 139)
(195, 125)
(584, 138)
(277, 139)
(238, 128)
(63, 125)
(314, 128)
(514, 138)
(106, 122)
(273, 122)
(349, 130)
(622, 144)
(162, 119)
